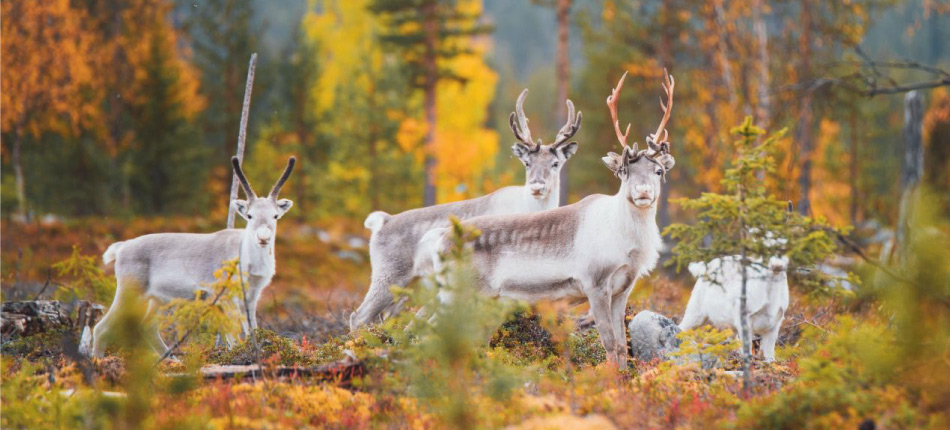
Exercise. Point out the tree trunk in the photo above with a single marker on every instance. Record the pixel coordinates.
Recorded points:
(242, 134)
(805, 121)
(562, 70)
(762, 107)
(373, 153)
(666, 59)
(722, 52)
(431, 28)
(18, 174)
(743, 302)
(854, 168)
(912, 169)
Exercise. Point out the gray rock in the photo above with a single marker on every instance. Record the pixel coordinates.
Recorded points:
(652, 336)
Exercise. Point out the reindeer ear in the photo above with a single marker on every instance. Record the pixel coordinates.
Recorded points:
(284, 205)
(667, 161)
(613, 161)
(568, 150)
(520, 150)
(240, 206)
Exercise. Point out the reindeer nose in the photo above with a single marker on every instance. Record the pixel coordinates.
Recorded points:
(263, 235)
(643, 190)
(536, 188)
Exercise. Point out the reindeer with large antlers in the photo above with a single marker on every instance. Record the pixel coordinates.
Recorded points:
(156, 268)
(395, 238)
(592, 250)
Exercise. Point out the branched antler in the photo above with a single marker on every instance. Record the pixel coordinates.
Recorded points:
(668, 84)
(612, 105)
(570, 127)
(519, 123)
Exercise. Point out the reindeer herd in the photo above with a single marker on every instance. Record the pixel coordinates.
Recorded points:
(529, 248)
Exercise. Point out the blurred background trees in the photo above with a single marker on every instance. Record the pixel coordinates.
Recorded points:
(131, 107)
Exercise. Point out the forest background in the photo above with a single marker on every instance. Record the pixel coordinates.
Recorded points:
(131, 108)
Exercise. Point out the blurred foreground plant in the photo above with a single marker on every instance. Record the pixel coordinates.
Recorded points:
(89, 281)
(204, 320)
(444, 360)
(890, 368)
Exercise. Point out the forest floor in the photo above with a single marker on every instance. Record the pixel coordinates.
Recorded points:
(539, 370)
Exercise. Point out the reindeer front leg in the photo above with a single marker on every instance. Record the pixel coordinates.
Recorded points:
(620, 280)
(603, 321)
(255, 297)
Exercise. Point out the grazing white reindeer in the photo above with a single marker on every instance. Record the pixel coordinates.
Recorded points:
(716, 296)
(159, 267)
(591, 250)
(394, 238)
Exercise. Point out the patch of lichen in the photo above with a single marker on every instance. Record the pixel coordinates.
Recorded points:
(271, 345)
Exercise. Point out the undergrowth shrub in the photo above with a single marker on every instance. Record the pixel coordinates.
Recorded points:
(524, 338)
(87, 280)
(273, 347)
(706, 345)
(213, 314)
(442, 360)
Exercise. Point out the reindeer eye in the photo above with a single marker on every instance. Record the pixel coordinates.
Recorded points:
(556, 164)
(275, 216)
(249, 216)
(659, 172)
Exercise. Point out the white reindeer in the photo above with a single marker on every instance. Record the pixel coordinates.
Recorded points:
(717, 292)
(592, 250)
(159, 267)
(394, 238)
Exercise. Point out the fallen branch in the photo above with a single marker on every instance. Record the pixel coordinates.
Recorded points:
(32, 317)
(340, 372)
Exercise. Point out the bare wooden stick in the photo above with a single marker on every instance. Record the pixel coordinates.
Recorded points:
(242, 134)
(340, 372)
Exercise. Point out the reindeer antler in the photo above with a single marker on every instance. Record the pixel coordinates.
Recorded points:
(668, 84)
(519, 123)
(283, 178)
(612, 105)
(248, 191)
(570, 127)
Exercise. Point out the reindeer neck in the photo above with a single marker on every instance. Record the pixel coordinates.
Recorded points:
(630, 215)
(255, 260)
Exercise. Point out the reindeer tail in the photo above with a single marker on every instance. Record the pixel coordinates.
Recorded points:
(376, 220)
(111, 252)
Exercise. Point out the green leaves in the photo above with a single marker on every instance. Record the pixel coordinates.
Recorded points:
(748, 218)
(90, 282)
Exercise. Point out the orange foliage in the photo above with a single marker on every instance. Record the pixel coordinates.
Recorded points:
(830, 199)
(49, 78)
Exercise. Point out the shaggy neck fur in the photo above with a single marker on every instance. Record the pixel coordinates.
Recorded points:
(255, 260)
(639, 224)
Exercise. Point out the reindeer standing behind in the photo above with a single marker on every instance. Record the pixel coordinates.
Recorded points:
(592, 250)
(156, 268)
(394, 238)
